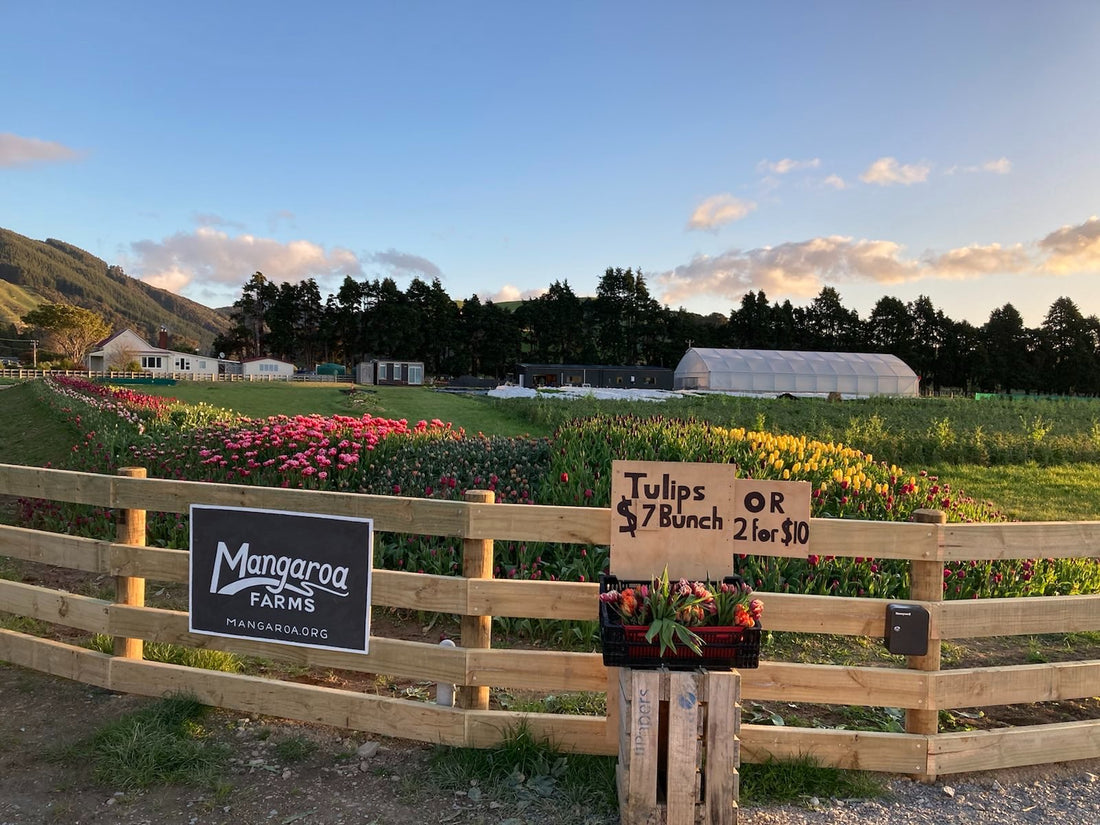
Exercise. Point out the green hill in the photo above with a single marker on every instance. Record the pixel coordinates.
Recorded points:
(51, 271)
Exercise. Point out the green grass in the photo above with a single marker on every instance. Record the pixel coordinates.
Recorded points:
(26, 435)
(799, 779)
(164, 743)
(261, 400)
(1027, 492)
(201, 658)
(295, 748)
(527, 772)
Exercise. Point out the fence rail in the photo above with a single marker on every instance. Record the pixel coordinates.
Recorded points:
(922, 688)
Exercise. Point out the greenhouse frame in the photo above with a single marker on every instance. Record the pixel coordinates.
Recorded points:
(779, 372)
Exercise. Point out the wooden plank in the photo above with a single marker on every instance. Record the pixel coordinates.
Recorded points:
(565, 732)
(643, 689)
(156, 563)
(684, 712)
(419, 591)
(56, 606)
(851, 750)
(722, 754)
(55, 485)
(56, 658)
(837, 685)
(873, 539)
(926, 584)
(476, 632)
(975, 618)
(417, 660)
(840, 615)
(534, 599)
(536, 669)
(589, 525)
(93, 555)
(422, 721)
(1019, 540)
(526, 522)
(983, 687)
(73, 552)
(1013, 747)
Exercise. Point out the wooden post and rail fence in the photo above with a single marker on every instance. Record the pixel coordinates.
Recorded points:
(921, 687)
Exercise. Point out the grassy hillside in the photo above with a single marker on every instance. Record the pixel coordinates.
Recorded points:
(15, 302)
(57, 272)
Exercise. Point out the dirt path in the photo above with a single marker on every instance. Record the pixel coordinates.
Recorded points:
(356, 778)
(340, 782)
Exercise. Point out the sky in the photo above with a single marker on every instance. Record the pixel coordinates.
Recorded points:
(884, 149)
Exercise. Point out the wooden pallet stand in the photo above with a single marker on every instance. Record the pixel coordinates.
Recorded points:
(678, 747)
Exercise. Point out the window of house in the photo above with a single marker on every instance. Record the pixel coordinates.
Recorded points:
(416, 373)
(183, 364)
(649, 379)
(150, 362)
(383, 372)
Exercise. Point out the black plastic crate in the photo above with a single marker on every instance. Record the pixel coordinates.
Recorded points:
(625, 645)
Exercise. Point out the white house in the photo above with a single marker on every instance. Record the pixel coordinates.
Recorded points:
(267, 367)
(126, 348)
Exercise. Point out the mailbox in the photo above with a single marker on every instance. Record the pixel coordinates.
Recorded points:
(906, 629)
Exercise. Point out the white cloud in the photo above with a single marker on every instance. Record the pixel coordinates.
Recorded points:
(402, 263)
(23, 151)
(887, 171)
(510, 292)
(1000, 166)
(1073, 248)
(798, 268)
(208, 258)
(718, 210)
(782, 167)
(835, 181)
(802, 268)
(976, 261)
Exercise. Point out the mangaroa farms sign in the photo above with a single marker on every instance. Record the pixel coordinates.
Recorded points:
(695, 518)
(273, 576)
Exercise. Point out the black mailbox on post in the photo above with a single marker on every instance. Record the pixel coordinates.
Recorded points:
(906, 629)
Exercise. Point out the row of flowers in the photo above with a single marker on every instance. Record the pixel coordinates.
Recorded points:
(370, 454)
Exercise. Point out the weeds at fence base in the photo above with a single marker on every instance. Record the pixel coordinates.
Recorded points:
(164, 743)
(797, 780)
(524, 771)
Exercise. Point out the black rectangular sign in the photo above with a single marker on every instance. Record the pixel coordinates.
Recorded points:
(273, 576)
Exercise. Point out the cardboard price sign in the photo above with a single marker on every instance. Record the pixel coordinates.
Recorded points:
(695, 517)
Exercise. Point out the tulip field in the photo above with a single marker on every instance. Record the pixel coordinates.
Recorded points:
(433, 459)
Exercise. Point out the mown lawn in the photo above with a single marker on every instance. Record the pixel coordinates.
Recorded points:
(261, 400)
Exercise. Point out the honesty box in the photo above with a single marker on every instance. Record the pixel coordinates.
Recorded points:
(695, 517)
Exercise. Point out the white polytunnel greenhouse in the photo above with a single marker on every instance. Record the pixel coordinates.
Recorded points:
(765, 371)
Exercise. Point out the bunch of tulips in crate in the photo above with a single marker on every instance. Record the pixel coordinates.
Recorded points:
(666, 621)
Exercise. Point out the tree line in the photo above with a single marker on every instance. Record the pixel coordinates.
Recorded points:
(624, 324)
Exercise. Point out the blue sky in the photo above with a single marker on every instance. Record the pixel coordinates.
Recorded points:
(942, 149)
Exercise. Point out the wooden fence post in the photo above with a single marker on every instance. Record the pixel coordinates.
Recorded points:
(130, 590)
(477, 563)
(926, 585)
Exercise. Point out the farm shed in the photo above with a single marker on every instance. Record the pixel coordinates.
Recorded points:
(593, 375)
(390, 371)
(767, 372)
(267, 367)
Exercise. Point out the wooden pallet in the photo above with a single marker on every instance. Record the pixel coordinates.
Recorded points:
(678, 747)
